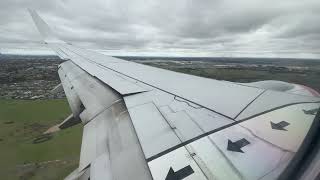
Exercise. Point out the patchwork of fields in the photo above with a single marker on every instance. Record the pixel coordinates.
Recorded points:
(21, 122)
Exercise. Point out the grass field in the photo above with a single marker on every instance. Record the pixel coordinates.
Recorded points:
(23, 121)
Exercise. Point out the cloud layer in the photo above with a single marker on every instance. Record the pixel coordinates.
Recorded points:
(268, 28)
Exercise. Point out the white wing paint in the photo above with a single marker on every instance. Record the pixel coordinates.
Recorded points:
(142, 122)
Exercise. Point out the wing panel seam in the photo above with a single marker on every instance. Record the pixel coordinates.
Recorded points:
(153, 86)
(249, 104)
(214, 131)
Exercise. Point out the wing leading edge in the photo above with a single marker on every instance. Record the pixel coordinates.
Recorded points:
(154, 123)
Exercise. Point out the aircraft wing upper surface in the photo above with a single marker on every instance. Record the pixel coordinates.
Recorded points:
(143, 122)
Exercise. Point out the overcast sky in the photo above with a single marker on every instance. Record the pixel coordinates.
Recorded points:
(267, 28)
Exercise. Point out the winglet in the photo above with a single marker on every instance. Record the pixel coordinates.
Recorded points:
(44, 29)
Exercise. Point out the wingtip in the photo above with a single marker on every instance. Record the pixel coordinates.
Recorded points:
(43, 28)
(31, 11)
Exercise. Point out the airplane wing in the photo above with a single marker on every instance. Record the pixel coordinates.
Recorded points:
(142, 122)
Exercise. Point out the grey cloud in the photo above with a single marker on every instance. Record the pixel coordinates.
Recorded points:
(202, 27)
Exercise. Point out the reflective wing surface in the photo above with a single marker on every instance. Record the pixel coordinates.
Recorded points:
(142, 122)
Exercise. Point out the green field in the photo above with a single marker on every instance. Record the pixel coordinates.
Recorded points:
(21, 122)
